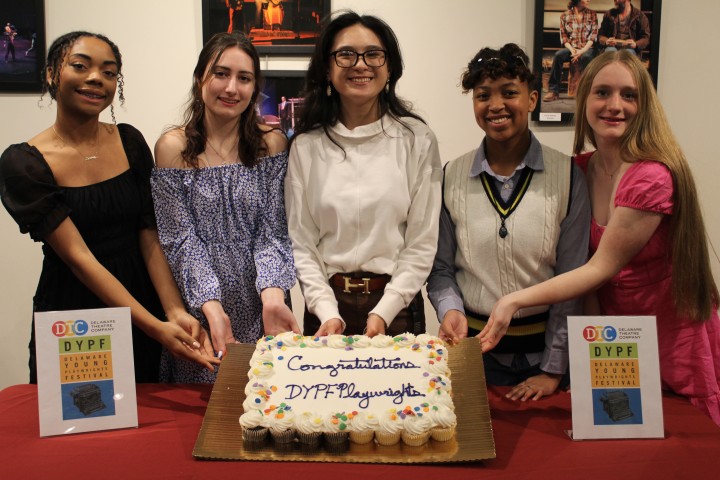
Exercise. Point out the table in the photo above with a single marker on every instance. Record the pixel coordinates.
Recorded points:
(529, 438)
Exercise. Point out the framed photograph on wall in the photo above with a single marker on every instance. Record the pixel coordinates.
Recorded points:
(280, 101)
(618, 25)
(22, 45)
(274, 26)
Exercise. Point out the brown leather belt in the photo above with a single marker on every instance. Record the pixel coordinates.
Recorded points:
(359, 283)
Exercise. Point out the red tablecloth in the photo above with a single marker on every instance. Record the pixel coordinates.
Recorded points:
(529, 438)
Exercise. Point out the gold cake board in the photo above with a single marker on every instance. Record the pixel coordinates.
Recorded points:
(220, 436)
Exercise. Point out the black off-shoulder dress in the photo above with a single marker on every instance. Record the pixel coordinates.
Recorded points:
(109, 215)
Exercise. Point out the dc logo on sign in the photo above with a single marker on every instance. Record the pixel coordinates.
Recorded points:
(70, 328)
(599, 334)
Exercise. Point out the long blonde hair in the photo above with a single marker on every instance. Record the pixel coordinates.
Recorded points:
(648, 136)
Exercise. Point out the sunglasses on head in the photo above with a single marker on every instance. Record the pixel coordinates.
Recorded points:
(510, 60)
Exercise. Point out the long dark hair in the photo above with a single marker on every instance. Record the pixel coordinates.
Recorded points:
(56, 53)
(319, 110)
(251, 144)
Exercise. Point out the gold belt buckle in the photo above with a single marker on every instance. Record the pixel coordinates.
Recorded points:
(348, 285)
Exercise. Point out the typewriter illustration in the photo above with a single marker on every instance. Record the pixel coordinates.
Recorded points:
(87, 398)
(617, 405)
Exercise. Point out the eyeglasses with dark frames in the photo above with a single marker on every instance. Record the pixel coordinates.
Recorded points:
(349, 58)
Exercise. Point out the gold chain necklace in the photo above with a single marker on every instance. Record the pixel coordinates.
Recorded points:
(87, 158)
(223, 158)
(611, 175)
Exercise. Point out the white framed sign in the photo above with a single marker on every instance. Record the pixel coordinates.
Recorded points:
(615, 377)
(86, 379)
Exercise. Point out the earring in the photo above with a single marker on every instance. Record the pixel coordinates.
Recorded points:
(328, 91)
(387, 86)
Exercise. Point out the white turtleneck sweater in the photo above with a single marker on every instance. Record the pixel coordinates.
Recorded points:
(373, 208)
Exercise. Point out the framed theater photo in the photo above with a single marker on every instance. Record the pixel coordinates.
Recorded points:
(22, 45)
(280, 102)
(274, 26)
(569, 34)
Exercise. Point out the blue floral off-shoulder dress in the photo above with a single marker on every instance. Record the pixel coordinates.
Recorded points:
(224, 232)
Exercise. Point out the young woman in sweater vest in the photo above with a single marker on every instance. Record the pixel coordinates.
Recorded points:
(647, 239)
(515, 213)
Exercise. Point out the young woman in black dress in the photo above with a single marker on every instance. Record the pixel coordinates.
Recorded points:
(81, 187)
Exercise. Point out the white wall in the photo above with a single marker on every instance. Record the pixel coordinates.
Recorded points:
(160, 45)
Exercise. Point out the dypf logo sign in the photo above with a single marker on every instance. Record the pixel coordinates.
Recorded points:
(70, 328)
(600, 334)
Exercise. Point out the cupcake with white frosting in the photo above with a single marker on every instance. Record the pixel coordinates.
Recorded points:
(362, 427)
(389, 428)
(444, 423)
(416, 427)
(281, 423)
(336, 428)
(253, 423)
(309, 427)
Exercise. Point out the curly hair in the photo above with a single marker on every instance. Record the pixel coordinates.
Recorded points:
(510, 62)
(251, 144)
(320, 110)
(56, 54)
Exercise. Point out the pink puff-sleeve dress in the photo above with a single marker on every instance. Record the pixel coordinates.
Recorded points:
(689, 351)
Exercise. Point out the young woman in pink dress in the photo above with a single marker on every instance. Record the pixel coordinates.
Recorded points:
(647, 239)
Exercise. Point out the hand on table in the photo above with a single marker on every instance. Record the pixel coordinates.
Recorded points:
(535, 387)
